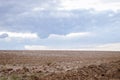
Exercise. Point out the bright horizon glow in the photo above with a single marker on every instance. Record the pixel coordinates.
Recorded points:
(105, 47)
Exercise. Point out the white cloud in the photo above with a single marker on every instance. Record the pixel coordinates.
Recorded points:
(38, 9)
(41, 47)
(62, 14)
(62, 8)
(20, 35)
(106, 47)
(36, 47)
(111, 46)
(98, 5)
(70, 35)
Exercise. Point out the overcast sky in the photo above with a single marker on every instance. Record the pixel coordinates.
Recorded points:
(60, 24)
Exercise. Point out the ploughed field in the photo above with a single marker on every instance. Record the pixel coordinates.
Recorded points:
(59, 65)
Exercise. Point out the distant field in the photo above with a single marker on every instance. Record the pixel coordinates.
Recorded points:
(42, 57)
(40, 65)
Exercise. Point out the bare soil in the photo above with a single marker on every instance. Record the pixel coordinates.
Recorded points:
(59, 65)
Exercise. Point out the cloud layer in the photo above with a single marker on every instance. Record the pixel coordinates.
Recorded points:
(105, 47)
(61, 24)
(70, 35)
(98, 5)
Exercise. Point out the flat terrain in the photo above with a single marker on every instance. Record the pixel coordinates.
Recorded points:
(59, 65)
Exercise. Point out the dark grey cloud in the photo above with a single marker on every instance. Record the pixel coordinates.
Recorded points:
(4, 35)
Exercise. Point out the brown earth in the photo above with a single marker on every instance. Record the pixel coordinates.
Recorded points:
(59, 65)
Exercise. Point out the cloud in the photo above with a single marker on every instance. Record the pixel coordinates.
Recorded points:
(19, 35)
(36, 47)
(98, 5)
(60, 23)
(4, 35)
(41, 47)
(105, 47)
(44, 20)
(70, 35)
(102, 47)
(110, 46)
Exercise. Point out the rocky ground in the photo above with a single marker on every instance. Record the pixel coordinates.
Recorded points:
(104, 71)
(79, 66)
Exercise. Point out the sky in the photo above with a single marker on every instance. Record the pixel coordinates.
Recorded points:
(60, 25)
